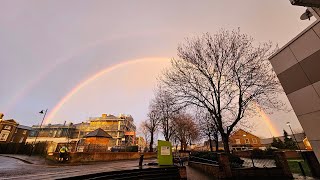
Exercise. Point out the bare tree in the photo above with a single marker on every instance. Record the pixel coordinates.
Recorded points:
(151, 124)
(207, 128)
(225, 74)
(186, 130)
(165, 107)
(143, 128)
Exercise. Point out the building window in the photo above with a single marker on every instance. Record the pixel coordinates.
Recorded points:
(24, 132)
(4, 135)
(247, 141)
(238, 141)
(254, 141)
(7, 127)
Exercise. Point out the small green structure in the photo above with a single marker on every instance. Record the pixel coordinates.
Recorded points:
(165, 157)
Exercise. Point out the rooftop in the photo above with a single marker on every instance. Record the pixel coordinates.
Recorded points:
(98, 133)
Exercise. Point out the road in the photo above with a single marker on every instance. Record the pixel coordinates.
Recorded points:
(15, 169)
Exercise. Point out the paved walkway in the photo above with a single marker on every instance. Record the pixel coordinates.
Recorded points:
(35, 167)
(28, 159)
(14, 168)
(194, 174)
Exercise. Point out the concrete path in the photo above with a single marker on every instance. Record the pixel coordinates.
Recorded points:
(12, 168)
(194, 174)
(34, 167)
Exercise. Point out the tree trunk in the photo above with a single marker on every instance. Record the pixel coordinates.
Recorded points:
(225, 140)
(151, 143)
(216, 141)
(210, 143)
(167, 131)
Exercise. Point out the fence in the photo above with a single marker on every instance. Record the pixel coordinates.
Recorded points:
(100, 148)
(203, 160)
(179, 158)
(260, 161)
(227, 166)
(39, 148)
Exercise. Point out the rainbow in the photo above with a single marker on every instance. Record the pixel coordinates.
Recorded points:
(109, 69)
(56, 62)
(82, 84)
(273, 131)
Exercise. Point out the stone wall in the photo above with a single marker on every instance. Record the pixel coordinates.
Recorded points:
(103, 156)
(210, 169)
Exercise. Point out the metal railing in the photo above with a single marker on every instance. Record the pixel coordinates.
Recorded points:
(260, 161)
(202, 160)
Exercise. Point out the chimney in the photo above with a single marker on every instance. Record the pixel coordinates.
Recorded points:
(104, 115)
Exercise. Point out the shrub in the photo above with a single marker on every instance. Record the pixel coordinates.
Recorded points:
(257, 153)
(235, 161)
(124, 149)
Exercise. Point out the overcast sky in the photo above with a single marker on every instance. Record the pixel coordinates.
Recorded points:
(49, 47)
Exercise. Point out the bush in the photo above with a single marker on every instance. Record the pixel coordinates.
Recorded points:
(261, 154)
(132, 149)
(257, 153)
(235, 161)
(124, 149)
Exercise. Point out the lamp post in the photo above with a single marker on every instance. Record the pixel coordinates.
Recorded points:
(288, 124)
(44, 112)
(299, 163)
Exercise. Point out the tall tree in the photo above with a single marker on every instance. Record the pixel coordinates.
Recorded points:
(207, 128)
(225, 74)
(186, 130)
(276, 142)
(288, 142)
(152, 124)
(166, 108)
(145, 132)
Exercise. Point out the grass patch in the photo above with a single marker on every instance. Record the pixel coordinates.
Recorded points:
(294, 166)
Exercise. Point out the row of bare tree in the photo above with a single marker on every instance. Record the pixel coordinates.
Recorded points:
(221, 77)
(166, 116)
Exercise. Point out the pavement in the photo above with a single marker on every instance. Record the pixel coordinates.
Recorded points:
(27, 159)
(17, 167)
(194, 174)
(36, 167)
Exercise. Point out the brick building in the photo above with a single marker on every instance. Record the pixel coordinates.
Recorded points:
(121, 128)
(11, 131)
(243, 140)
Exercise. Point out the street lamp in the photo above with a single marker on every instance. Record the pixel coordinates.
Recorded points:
(299, 163)
(44, 112)
(288, 124)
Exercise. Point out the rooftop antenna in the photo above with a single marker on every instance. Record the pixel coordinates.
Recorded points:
(306, 15)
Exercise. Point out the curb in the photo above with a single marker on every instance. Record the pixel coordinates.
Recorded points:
(23, 160)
